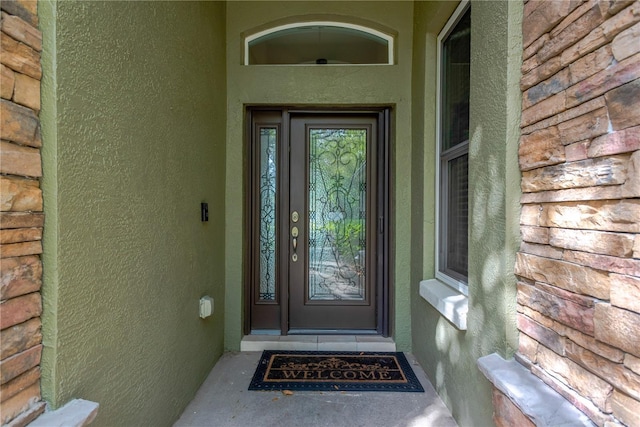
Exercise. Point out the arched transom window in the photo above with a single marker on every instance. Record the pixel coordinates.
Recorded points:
(318, 42)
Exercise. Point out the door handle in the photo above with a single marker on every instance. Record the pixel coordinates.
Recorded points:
(294, 243)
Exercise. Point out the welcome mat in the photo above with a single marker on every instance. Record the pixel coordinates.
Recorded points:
(334, 371)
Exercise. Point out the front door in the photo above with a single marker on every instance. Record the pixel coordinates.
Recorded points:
(318, 256)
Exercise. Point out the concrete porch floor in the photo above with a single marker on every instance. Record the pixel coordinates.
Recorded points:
(224, 401)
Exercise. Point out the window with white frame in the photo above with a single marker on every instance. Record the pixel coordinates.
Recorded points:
(454, 53)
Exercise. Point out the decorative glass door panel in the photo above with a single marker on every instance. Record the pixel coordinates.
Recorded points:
(267, 192)
(337, 213)
(264, 295)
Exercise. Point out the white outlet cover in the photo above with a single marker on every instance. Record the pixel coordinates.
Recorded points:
(206, 307)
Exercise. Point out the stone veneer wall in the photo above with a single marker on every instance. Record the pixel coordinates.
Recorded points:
(21, 217)
(578, 266)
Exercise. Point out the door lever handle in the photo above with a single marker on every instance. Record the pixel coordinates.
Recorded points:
(294, 243)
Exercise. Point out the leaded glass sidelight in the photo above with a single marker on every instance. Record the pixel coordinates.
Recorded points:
(267, 192)
(337, 213)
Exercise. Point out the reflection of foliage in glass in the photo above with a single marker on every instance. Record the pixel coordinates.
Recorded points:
(337, 207)
(345, 236)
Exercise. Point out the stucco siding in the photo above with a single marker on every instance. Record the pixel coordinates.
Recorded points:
(133, 117)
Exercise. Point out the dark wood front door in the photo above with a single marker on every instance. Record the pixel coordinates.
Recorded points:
(319, 221)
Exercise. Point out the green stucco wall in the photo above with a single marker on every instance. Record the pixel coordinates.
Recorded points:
(447, 354)
(346, 85)
(133, 123)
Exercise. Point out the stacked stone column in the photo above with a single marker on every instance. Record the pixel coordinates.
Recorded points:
(21, 217)
(579, 263)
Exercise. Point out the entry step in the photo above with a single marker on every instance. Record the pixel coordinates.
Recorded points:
(317, 343)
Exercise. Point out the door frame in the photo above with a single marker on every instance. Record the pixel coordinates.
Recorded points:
(384, 274)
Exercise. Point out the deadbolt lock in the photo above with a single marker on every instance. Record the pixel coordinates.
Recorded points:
(294, 216)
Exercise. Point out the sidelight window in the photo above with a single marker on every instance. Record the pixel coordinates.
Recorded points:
(268, 206)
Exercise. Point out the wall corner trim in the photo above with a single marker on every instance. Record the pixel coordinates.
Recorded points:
(531, 395)
(452, 304)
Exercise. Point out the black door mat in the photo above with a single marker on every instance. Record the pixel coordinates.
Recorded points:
(334, 371)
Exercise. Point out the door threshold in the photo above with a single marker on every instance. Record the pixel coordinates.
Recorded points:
(355, 332)
(317, 343)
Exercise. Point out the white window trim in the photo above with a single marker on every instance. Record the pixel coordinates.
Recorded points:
(388, 38)
(453, 20)
(446, 294)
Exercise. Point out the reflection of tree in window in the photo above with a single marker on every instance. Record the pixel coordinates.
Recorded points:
(337, 213)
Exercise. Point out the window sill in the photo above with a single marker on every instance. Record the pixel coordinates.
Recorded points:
(452, 304)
